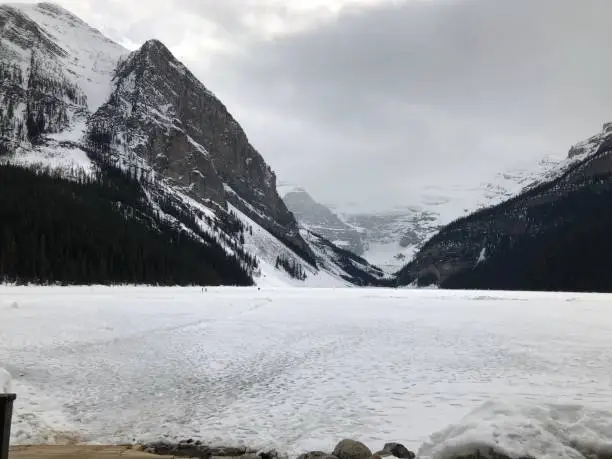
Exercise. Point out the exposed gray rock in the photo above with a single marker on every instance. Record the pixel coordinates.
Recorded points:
(352, 449)
(244, 456)
(321, 220)
(178, 450)
(163, 114)
(24, 32)
(225, 451)
(271, 454)
(195, 449)
(487, 454)
(316, 455)
(398, 450)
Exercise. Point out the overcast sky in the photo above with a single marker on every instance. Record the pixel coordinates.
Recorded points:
(372, 100)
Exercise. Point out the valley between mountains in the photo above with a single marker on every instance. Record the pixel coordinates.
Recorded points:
(121, 166)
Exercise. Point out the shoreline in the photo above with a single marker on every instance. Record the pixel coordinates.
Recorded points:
(345, 449)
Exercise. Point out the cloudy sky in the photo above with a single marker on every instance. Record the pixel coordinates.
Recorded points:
(371, 100)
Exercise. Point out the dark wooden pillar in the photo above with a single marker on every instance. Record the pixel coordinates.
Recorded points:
(6, 414)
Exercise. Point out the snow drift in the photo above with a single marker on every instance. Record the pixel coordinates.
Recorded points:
(522, 429)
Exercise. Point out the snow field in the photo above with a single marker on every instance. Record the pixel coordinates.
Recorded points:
(300, 369)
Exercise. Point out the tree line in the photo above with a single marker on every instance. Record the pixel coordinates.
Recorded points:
(99, 228)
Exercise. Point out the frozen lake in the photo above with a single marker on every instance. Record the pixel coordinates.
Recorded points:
(301, 368)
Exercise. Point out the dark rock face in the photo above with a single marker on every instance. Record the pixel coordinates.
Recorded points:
(551, 237)
(195, 449)
(36, 101)
(316, 455)
(24, 32)
(178, 450)
(321, 220)
(352, 449)
(160, 112)
(398, 450)
(486, 454)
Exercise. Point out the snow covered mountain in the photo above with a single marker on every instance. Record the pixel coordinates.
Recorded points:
(319, 219)
(554, 235)
(72, 99)
(391, 238)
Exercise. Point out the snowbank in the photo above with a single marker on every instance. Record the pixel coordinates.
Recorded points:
(525, 429)
(5, 381)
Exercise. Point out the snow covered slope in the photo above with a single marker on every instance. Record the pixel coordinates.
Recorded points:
(87, 58)
(71, 98)
(57, 70)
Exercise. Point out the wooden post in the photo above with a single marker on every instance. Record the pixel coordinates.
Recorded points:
(6, 413)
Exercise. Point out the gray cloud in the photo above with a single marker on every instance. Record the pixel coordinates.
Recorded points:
(390, 100)
(371, 104)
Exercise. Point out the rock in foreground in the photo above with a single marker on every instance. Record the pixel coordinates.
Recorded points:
(396, 450)
(352, 449)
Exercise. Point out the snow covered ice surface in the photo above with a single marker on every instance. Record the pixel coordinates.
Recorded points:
(300, 369)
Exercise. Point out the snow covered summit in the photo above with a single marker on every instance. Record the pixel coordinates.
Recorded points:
(71, 99)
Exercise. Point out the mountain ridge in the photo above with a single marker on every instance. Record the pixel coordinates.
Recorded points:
(390, 239)
(73, 98)
(541, 239)
(319, 219)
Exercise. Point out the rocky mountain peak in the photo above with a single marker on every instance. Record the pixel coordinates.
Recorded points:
(591, 145)
(20, 30)
(53, 9)
(155, 45)
(161, 112)
(300, 195)
(155, 54)
(72, 97)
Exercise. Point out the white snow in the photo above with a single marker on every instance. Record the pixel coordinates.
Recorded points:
(482, 256)
(542, 430)
(429, 208)
(267, 248)
(389, 256)
(67, 159)
(6, 385)
(92, 58)
(90, 65)
(300, 369)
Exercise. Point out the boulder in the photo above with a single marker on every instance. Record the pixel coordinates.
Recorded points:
(178, 450)
(244, 456)
(316, 455)
(398, 450)
(272, 454)
(227, 451)
(351, 449)
(487, 454)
